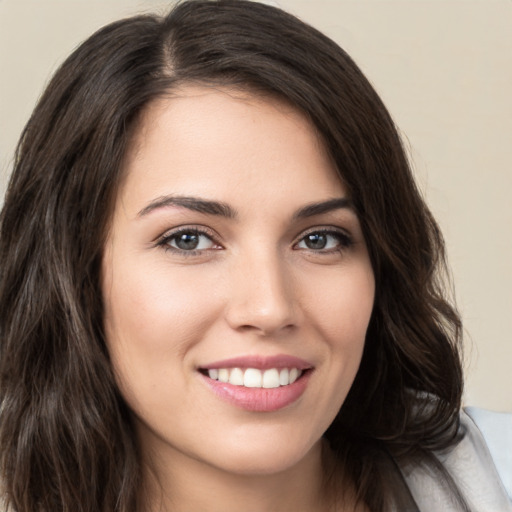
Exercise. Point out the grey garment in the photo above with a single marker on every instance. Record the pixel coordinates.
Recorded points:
(496, 428)
(472, 467)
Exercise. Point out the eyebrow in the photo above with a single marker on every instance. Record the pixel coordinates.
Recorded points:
(221, 209)
(321, 207)
(192, 203)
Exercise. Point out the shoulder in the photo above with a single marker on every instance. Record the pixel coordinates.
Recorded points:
(480, 465)
(496, 429)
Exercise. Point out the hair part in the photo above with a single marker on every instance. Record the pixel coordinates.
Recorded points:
(66, 438)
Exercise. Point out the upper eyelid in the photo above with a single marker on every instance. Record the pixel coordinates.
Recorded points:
(202, 230)
(324, 229)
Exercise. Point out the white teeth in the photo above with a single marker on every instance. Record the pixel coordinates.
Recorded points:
(223, 375)
(254, 378)
(236, 377)
(270, 379)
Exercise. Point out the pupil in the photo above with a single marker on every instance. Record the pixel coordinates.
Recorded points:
(316, 241)
(187, 241)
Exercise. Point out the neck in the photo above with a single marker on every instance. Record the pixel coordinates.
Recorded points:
(186, 485)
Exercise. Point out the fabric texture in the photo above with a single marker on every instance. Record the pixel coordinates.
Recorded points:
(496, 429)
(481, 466)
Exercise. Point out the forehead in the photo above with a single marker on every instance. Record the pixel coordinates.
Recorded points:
(210, 140)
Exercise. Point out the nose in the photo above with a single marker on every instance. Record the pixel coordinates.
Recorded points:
(261, 296)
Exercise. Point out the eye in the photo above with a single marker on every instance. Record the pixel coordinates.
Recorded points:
(188, 240)
(324, 241)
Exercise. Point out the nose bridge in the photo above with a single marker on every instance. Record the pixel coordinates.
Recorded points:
(262, 296)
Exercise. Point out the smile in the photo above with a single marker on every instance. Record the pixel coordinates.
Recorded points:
(258, 384)
(255, 378)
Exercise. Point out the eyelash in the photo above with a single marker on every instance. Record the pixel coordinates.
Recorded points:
(167, 238)
(344, 240)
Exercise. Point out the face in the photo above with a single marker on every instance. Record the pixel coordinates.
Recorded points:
(236, 281)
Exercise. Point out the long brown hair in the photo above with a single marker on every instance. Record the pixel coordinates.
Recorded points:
(66, 441)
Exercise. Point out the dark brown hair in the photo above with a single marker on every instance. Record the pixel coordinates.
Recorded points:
(66, 441)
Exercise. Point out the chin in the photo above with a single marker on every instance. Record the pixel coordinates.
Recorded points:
(265, 454)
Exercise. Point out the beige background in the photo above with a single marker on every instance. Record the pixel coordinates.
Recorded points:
(444, 68)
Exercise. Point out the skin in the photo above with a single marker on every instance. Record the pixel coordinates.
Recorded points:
(253, 286)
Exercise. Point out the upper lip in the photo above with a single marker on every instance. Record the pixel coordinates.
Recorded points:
(260, 362)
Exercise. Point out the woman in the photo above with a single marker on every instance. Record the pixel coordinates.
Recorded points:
(220, 286)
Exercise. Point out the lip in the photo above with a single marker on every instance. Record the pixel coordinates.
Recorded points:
(259, 399)
(260, 362)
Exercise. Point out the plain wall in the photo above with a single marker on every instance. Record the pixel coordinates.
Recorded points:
(444, 69)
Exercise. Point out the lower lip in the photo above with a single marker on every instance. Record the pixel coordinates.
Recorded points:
(259, 399)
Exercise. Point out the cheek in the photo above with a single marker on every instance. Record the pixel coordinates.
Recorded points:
(341, 309)
(340, 315)
(154, 305)
(153, 317)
